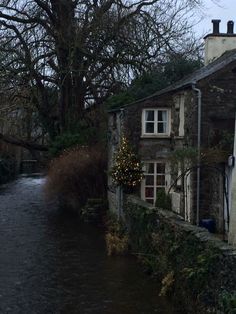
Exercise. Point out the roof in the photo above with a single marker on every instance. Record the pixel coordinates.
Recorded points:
(193, 78)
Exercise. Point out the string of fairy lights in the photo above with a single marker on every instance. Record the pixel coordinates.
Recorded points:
(127, 169)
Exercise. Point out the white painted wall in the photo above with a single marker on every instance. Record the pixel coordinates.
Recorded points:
(232, 223)
(179, 105)
(228, 186)
(188, 199)
(181, 115)
(175, 200)
(215, 46)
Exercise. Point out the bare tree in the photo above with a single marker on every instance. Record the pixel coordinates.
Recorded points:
(75, 53)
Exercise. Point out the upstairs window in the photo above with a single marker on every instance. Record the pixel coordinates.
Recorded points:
(155, 122)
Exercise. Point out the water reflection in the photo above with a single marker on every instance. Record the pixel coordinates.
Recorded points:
(51, 263)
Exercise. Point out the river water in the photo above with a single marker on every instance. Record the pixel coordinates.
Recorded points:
(51, 263)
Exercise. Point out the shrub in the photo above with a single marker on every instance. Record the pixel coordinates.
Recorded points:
(163, 200)
(64, 141)
(167, 284)
(89, 130)
(68, 140)
(228, 302)
(116, 244)
(77, 175)
(117, 240)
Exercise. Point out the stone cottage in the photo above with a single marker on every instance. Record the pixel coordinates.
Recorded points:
(184, 137)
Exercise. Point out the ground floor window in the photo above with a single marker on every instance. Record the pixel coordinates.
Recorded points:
(154, 180)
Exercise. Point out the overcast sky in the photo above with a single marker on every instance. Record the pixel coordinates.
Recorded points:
(225, 11)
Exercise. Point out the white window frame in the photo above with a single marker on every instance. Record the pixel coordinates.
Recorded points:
(156, 133)
(155, 174)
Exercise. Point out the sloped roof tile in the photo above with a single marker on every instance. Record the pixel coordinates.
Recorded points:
(193, 78)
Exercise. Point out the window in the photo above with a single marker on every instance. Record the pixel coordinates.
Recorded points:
(155, 122)
(154, 180)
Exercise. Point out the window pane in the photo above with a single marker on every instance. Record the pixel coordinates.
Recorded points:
(149, 180)
(161, 127)
(162, 115)
(149, 192)
(149, 115)
(149, 168)
(161, 180)
(149, 127)
(154, 180)
(160, 168)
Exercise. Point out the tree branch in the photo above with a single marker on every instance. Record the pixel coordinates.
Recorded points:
(22, 143)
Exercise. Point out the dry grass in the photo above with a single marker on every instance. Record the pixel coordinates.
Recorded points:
(167, 284)
(117, 239)
(77, 175)
(116, 244)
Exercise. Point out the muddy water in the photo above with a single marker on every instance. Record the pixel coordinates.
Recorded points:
(51, 263)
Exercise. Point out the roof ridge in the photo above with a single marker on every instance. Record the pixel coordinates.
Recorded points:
(226, 58)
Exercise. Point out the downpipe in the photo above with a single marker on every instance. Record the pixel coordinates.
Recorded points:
(199, 104)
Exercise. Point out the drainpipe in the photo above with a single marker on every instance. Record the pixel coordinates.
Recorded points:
(232, 217)
(119, 125)
(199, 104)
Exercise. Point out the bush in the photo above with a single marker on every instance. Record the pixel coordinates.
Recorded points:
(76, 176)
(116, 244)
(117, 240)
(163, 200)
(228, 302)
(88, 131)
(64, 141)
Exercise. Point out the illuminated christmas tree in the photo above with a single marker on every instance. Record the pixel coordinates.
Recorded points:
(127, 169)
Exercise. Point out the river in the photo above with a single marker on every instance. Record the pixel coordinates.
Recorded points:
(51, 263)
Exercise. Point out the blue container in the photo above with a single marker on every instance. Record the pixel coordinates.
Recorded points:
(209, 224)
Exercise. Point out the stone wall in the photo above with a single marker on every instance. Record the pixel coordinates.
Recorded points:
(157, 147)
(202, 268)
(218, 108)
(218, 112)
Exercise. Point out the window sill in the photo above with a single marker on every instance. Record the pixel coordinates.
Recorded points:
(162, 136)
(155, 136)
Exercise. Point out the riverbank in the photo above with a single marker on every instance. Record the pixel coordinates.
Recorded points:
(197, 268)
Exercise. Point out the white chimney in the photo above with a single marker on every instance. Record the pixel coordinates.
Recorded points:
(217, 43)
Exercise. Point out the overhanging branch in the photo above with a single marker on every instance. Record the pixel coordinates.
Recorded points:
(22, 143)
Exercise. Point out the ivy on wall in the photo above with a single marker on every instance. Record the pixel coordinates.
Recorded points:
(181, 255)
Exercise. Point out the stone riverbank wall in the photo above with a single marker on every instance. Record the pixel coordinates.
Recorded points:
(197, 268)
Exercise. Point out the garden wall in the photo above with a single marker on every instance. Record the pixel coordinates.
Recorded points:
(197, 268)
